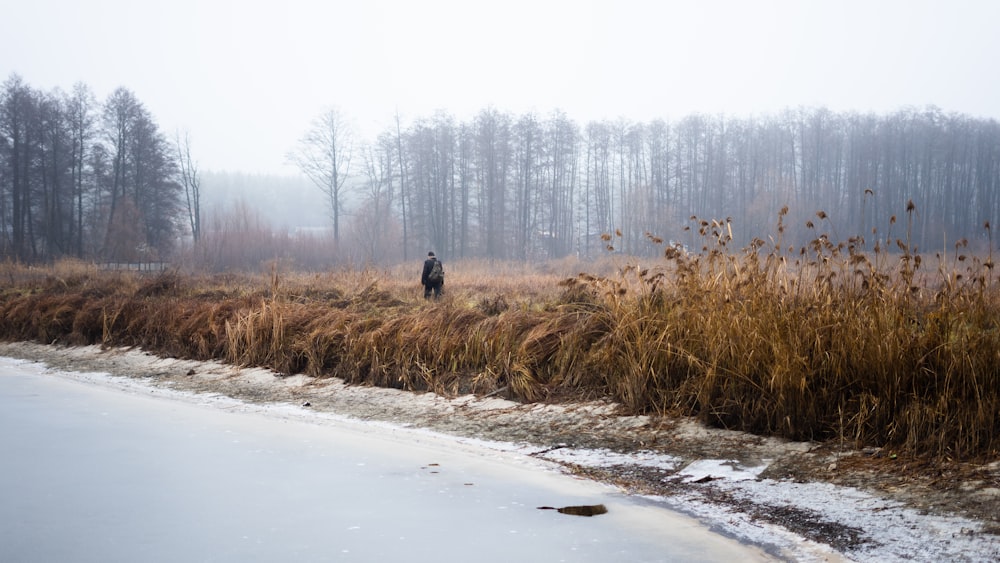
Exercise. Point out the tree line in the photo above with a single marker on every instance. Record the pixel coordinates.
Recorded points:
(85, 179)
(519, 186)
(100, 180)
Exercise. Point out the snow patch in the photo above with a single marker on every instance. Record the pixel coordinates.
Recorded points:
(711, 469)
(607, 458)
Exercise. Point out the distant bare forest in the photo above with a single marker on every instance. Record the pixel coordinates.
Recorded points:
(100, 181)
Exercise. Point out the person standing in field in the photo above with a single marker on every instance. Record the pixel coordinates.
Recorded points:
(432, 277)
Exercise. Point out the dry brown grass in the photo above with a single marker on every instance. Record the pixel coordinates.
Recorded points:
(829, 342)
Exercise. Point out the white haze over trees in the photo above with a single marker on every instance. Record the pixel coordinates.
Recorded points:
(518, 129)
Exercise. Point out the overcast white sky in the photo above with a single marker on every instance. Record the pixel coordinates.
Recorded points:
(245, 77)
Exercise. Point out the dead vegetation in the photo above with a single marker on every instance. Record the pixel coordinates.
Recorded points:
(843, 342)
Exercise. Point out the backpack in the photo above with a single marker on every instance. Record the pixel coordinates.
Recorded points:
(436, 274)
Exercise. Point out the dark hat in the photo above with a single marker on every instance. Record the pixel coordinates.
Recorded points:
(430, 254)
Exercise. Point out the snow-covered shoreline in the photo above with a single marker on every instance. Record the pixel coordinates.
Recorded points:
(737, 495)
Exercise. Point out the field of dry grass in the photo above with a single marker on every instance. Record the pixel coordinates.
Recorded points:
(830, 342)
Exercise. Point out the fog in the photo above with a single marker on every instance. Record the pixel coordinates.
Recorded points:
(246, 78)
(284, 202)
(500, 131)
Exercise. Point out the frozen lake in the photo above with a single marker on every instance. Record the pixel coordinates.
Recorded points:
(94, 473)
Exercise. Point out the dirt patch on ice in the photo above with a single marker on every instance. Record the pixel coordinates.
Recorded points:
(862, 504)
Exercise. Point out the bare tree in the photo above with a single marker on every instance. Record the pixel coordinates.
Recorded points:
(374, 218)
(121, 110)
(494, 154)
(80, 107)
(17, 107)
(145, 197)
(527, 175)
(324, 156)
(564, 140)
(54, 222)
(402, 186)
(191, 183)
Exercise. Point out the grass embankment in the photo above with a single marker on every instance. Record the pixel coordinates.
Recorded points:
(829, 344)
